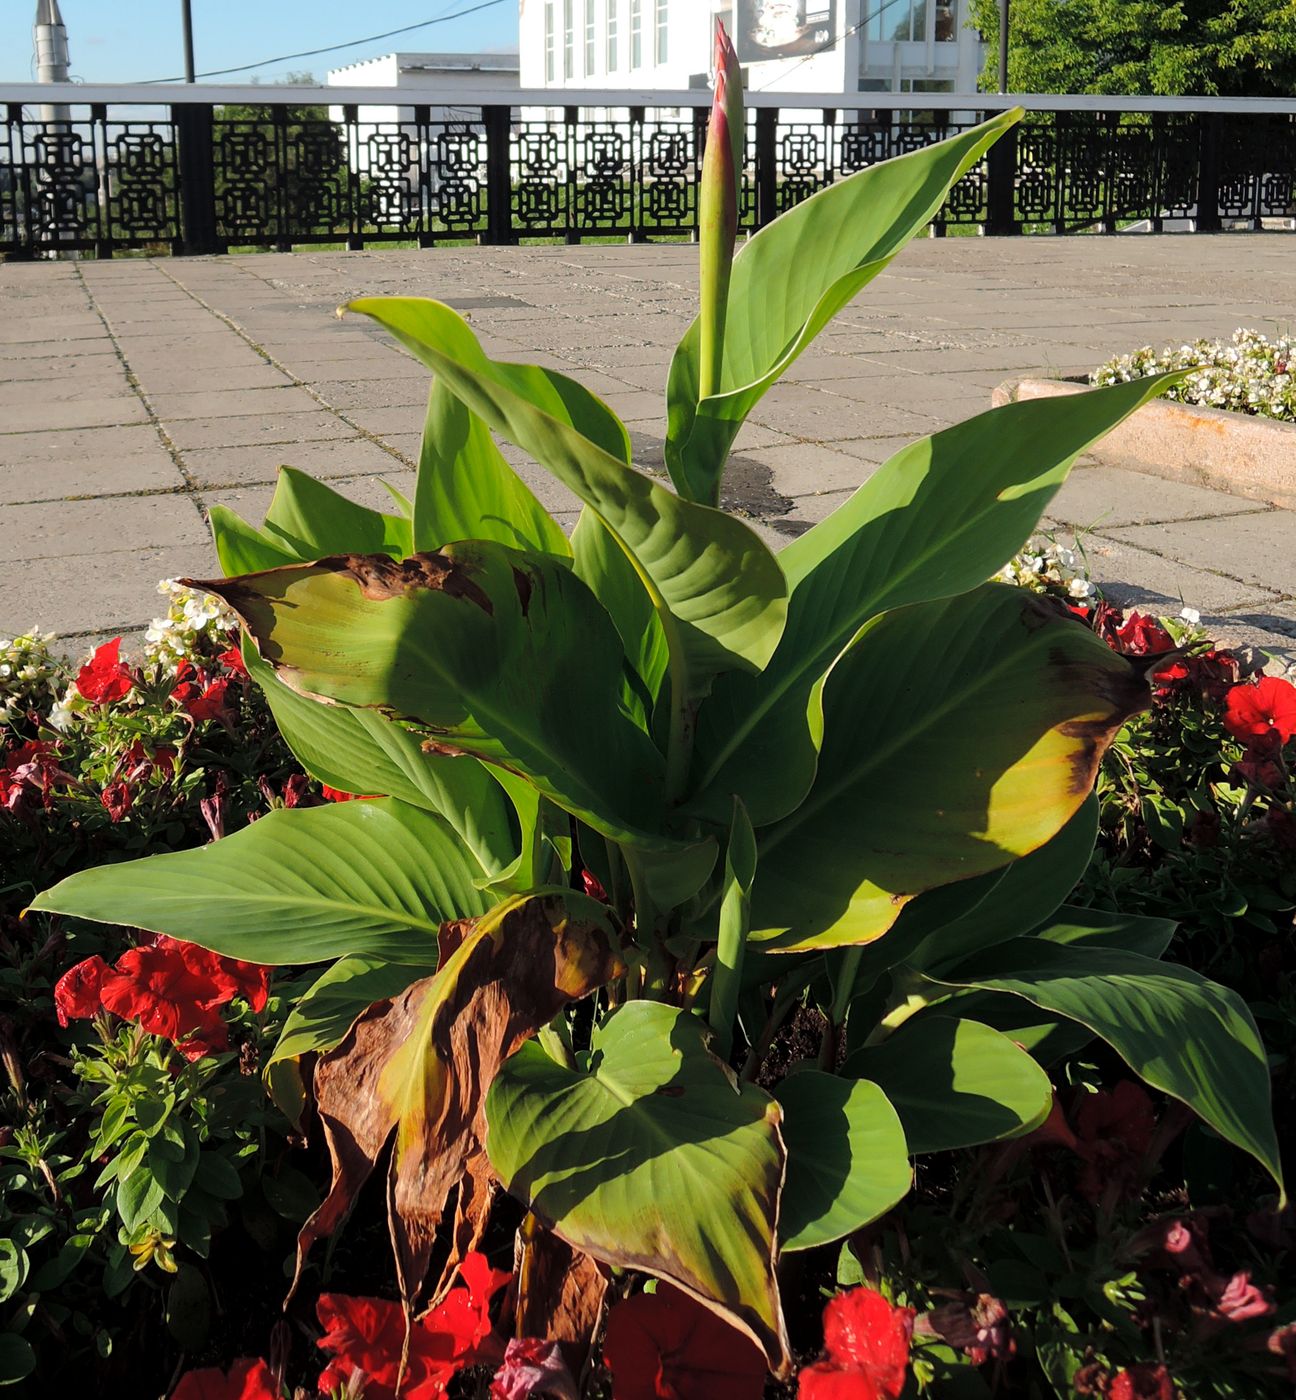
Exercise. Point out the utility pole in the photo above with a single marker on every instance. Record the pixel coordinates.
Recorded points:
(1003, 44)
(187, 17)
(50, 35)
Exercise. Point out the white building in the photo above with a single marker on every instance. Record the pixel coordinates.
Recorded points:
(829, 46)
(431, 78)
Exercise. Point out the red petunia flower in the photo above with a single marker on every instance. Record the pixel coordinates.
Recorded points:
(333, 794)
(212, 703)
(1262, 710)
(232, 660)
(31, 766)
(1142, 1382)
(532, 1368)
(116, 799)
(664, 1344)
(247, 1379)
(104, 678)
(168, 997)
(863, 1332)
(1115, 1130)
(367, 1335)
(1141, 635)
(172, 989)
(78, 993)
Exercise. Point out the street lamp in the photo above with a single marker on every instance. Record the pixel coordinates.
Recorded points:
(187, 19)
(1003, 45)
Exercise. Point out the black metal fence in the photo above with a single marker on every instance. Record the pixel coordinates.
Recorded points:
(197, 176)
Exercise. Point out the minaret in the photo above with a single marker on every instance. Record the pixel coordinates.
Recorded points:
(50, 35)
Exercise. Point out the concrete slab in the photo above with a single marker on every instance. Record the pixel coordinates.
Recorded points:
(59, 529)
(1101, 498)
(315, 426)
(1258, 547)
(49, 415)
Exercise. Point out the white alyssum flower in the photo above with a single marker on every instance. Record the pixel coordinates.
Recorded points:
(1249, 374)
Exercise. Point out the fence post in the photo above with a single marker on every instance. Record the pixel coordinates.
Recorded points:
(766, 165)
(194, 140)
(1001, 195)
(499, 175)
(1208, 220)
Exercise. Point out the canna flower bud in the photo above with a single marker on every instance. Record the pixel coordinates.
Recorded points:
(718, 213)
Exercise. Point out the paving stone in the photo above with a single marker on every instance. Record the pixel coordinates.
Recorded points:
(1103, 498)
(107, 384)
(806, 468)
(108, 591)
(76, 445)
(366, 394)
(55, 529)
(90, 476)
(232, 403)
(47, 415)
(1128, 574)
(385, 421)
(219, 466)
(248, 431)
(252, 375)
(1259, 548)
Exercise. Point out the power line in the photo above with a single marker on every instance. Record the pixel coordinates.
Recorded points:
(333, 48)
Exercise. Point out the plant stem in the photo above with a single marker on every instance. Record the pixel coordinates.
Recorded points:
(726, 980)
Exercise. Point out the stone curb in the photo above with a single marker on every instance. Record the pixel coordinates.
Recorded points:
(1235, 452)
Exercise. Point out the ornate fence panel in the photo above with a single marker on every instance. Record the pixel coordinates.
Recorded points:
(101, 170)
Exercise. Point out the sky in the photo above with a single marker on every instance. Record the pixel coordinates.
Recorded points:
(126, 41)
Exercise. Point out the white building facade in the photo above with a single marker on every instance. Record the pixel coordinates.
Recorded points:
(829, 46)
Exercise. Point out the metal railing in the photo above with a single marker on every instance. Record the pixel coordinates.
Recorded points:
(203, 169)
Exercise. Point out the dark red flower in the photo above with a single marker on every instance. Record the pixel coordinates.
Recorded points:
(666, 1346)
(31, 766)
(1282, 1342)
(1115, 1130)
(1054, 1131)
(104, 678)
(532, 1368)
(976, 1325)
(137, 764)
(228, 977)
(1257, 711)
(78, 993)
(1237, 1299)
(116, 799)
(1141, 635)
(1280, 827)
(337, 795)
(367, 1335)
(232, 660)
(593, 886)
(211, 703)
(1142, 1382)
(247, 1379)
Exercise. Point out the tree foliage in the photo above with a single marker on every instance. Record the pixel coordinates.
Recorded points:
(1230, 48)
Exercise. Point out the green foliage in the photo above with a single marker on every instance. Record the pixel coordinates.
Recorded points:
(788, 777)
(1234, 48)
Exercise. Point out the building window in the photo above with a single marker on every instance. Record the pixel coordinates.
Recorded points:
(569, 41)
(549, 40)
(636, 33)
(947, 21)
(663, 29)
(612, 18)
(589, 38)
(898, 21)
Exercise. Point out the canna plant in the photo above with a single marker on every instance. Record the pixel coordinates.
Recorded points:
(638, 797)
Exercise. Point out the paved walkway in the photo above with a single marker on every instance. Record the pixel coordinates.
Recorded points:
(135, 393)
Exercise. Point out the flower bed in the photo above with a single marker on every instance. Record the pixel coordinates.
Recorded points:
(1196, 825)
(1248, 374)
